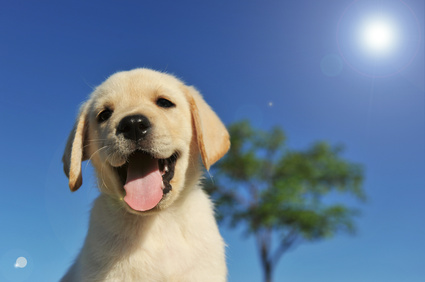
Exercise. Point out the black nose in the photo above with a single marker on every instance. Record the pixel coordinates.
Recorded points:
(134, 127)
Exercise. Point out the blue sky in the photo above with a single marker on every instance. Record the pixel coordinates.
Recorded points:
(297, 64)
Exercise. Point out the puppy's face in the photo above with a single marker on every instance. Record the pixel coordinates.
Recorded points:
(143, 131)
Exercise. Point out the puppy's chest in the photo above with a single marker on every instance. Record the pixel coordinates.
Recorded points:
(164, 252)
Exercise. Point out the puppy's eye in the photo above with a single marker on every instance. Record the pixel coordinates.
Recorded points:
(104, 115)
(164, 103)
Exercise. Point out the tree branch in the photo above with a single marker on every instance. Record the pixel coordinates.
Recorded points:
(284, 245)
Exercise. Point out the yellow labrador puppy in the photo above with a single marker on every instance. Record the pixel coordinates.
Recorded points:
(145, 132)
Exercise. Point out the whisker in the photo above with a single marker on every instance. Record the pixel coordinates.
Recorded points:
(97, 139)
(103, 179)
(93, 141)
(98, 150)
(101, 172)
(90, 158)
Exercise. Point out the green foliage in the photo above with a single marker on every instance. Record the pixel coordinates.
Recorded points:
(269, 188)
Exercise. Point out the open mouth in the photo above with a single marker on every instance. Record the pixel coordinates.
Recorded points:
(146, 179)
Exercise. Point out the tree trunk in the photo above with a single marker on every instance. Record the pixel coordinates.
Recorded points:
(267, 268)
(265, 260)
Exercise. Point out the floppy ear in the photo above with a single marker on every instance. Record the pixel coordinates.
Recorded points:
(74, 151)
(212, 136)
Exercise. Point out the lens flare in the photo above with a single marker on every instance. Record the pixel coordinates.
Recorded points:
(21, 262)
(379, 36)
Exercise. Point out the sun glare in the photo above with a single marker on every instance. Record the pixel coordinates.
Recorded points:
(378, 36)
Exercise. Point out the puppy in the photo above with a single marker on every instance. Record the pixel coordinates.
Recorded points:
(145, 133)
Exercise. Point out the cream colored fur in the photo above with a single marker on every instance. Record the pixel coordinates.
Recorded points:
(178, 240)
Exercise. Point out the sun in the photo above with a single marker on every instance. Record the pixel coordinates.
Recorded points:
(378, 36)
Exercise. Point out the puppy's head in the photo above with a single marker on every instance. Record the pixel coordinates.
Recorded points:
(144, 131)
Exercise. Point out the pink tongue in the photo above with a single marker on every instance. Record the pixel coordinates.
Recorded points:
(144, 183)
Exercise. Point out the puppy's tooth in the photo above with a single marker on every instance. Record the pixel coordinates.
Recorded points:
(166, 168)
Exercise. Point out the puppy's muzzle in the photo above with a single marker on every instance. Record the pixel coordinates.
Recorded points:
(134, 127)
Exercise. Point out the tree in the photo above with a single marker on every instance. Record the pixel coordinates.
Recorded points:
(278, 194)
